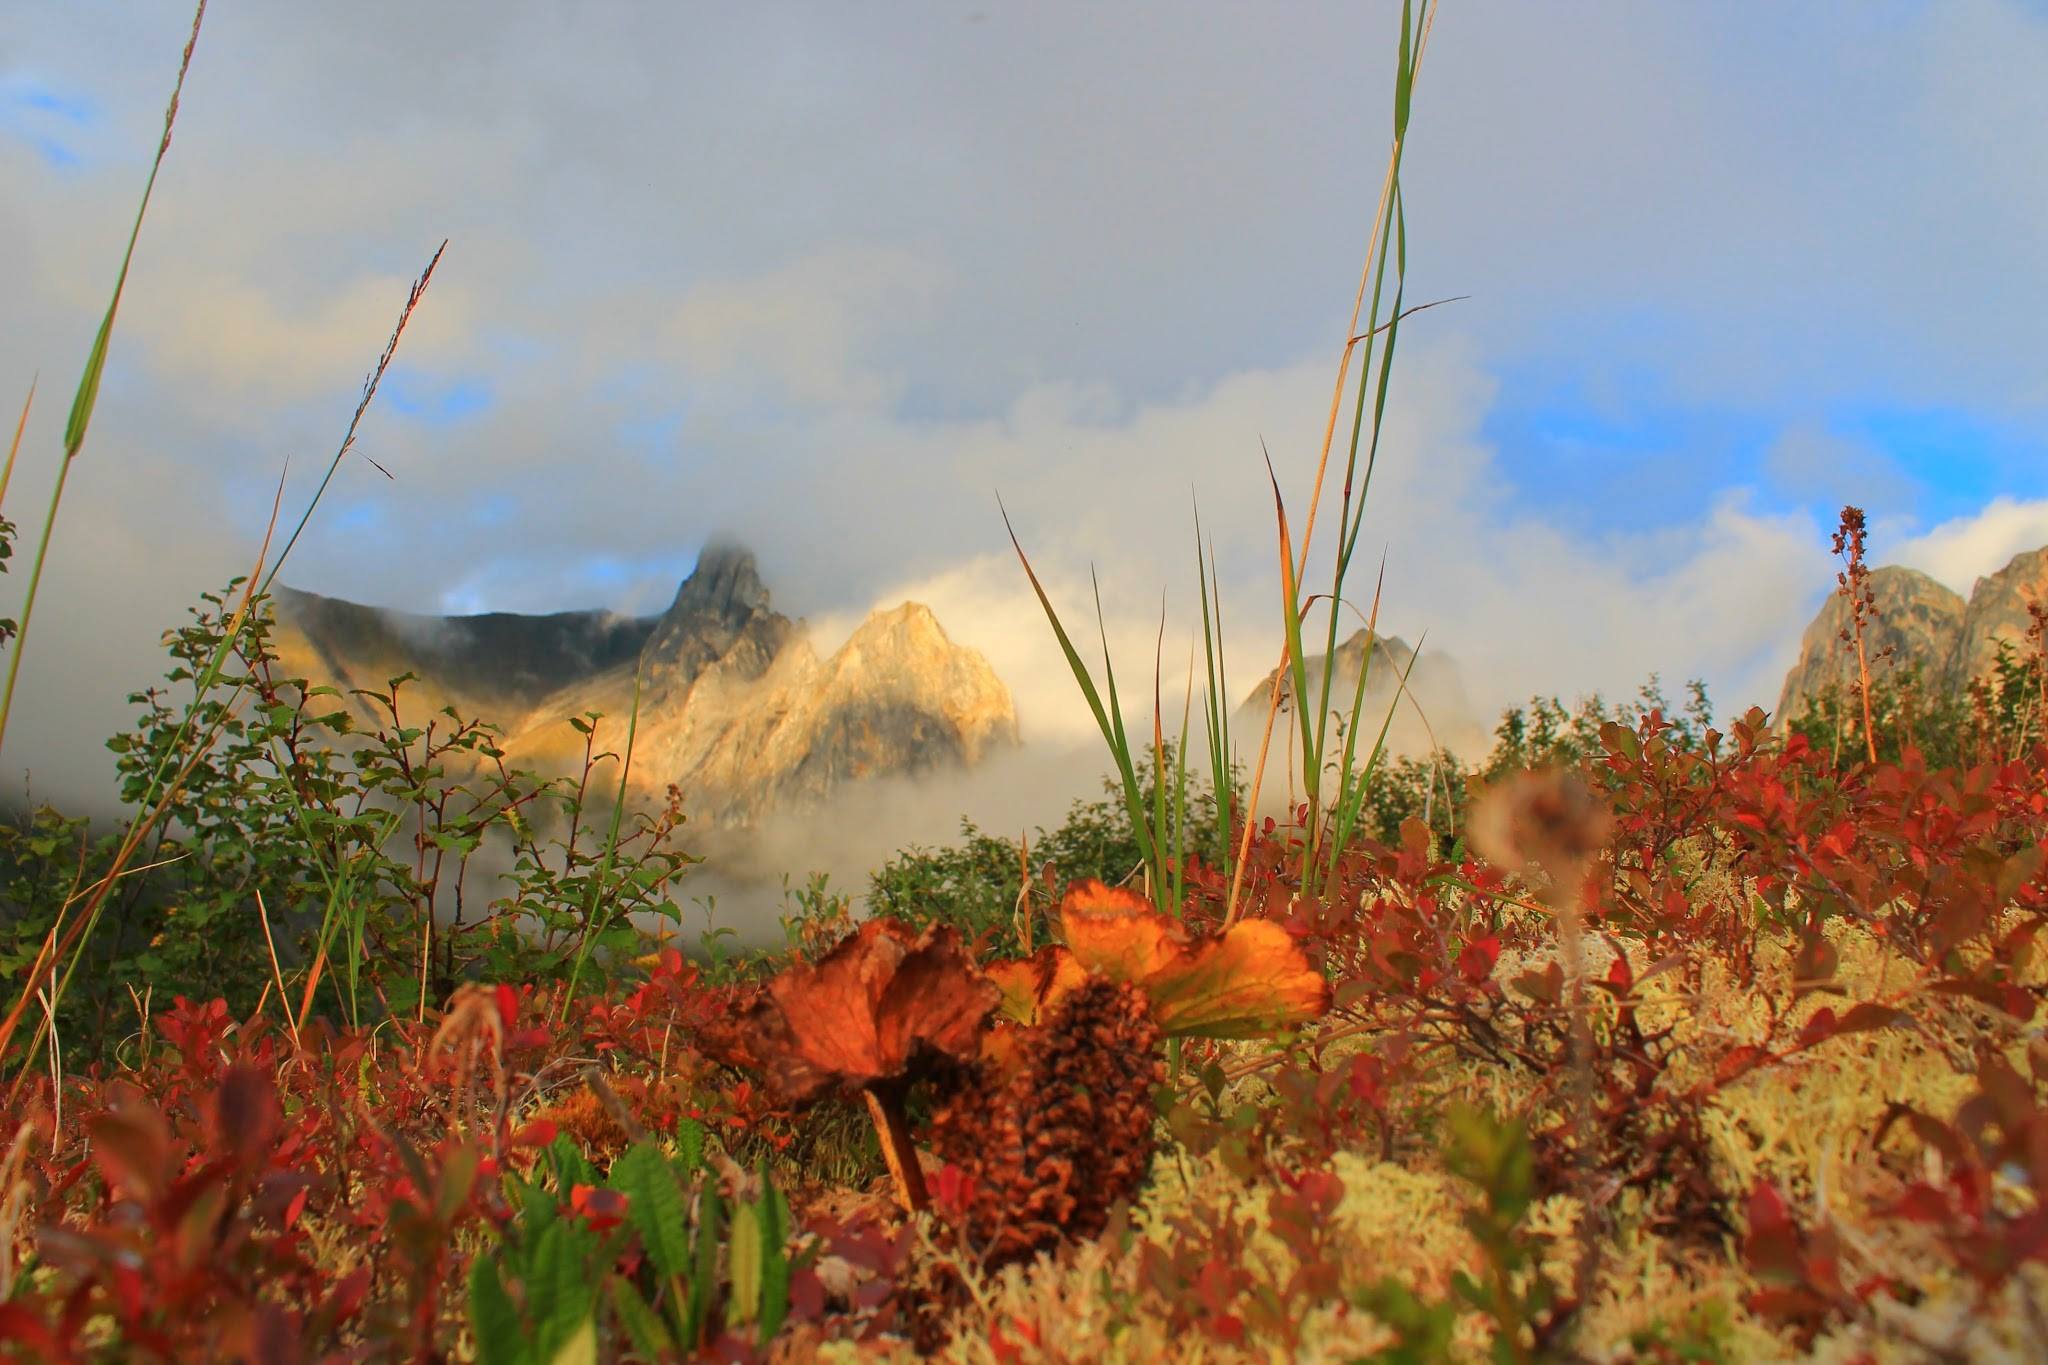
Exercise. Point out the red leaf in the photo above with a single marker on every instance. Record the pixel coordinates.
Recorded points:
(246, 1114)
(1737, 1061)
(603, 1209)
(952, 1191)
(347, 1296)
(1868, 1015)
(1818, 1029)
(1922, 1204)
(539, 1133)
(1476, 962)
(133, 1149)
(18, 1324)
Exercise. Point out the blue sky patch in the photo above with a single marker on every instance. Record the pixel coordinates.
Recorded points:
(1619, 456)
(1963, 459)
(354, 519)
(37, 114)
(655, 435)
(437, 402)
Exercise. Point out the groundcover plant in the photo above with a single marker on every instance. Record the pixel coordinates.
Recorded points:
(1651, 1039)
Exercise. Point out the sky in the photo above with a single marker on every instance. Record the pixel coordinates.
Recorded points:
(831, 279)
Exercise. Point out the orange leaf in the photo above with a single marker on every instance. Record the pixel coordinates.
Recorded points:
(1033, 986)
(1117, 932)
(1252, 980)
(869, 1011)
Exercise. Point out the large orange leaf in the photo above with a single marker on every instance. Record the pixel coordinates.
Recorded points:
(1252, 979)
(868, 1012)
(1118, 933)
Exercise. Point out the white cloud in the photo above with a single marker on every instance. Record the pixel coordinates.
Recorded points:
(1521, 604)
(1963, 549)
(809, 326)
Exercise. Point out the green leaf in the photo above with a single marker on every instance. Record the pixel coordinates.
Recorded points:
(580, 1348)
(689, 1145)
(500, 1336)
(774, 1210)
(458, 1178)
(649, 1334)
(743, 1258)
(655, 1206)
(704, 1278)
(561, 1288)
(571, 1167)
(1404, 76)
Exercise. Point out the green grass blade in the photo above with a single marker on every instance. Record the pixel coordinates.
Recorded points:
(1348, 810)
(1120, 744)
(1290, 594)
(1177, 871)
(1221, 761)
(1161, 836)
(83, 402)
(1112, 733)
(89, 383)
(1404, 76)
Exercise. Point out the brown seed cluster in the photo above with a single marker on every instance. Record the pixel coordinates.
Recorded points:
(1054, 1139)
(585, 1117)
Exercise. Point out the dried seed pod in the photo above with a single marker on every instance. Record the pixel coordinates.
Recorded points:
(1052, 1137)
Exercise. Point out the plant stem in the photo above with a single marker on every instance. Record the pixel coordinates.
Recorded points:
(885, 1107)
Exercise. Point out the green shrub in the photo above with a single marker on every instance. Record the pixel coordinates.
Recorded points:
(301, 836)
(977, 883)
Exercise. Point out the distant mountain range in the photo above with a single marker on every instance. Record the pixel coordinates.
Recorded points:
(740, 712)
(1919, 622)
(736, 708)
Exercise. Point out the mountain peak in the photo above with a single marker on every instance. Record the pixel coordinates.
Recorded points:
(726, 583)
(1917, 623)
(735, 708)
(906, 620)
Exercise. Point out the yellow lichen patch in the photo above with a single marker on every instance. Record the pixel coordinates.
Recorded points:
(1806, 1126)
(1403, 1223)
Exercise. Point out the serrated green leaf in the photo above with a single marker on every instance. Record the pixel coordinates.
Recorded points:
(561, 1292)
(704, 1275)
(656, 1207)
(689, 1146)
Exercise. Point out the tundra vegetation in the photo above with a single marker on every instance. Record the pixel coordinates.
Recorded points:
(1650, 1038)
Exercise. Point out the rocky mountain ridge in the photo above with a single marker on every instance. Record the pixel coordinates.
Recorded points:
(1440, 712)
(1917, 622)
(735, 706)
